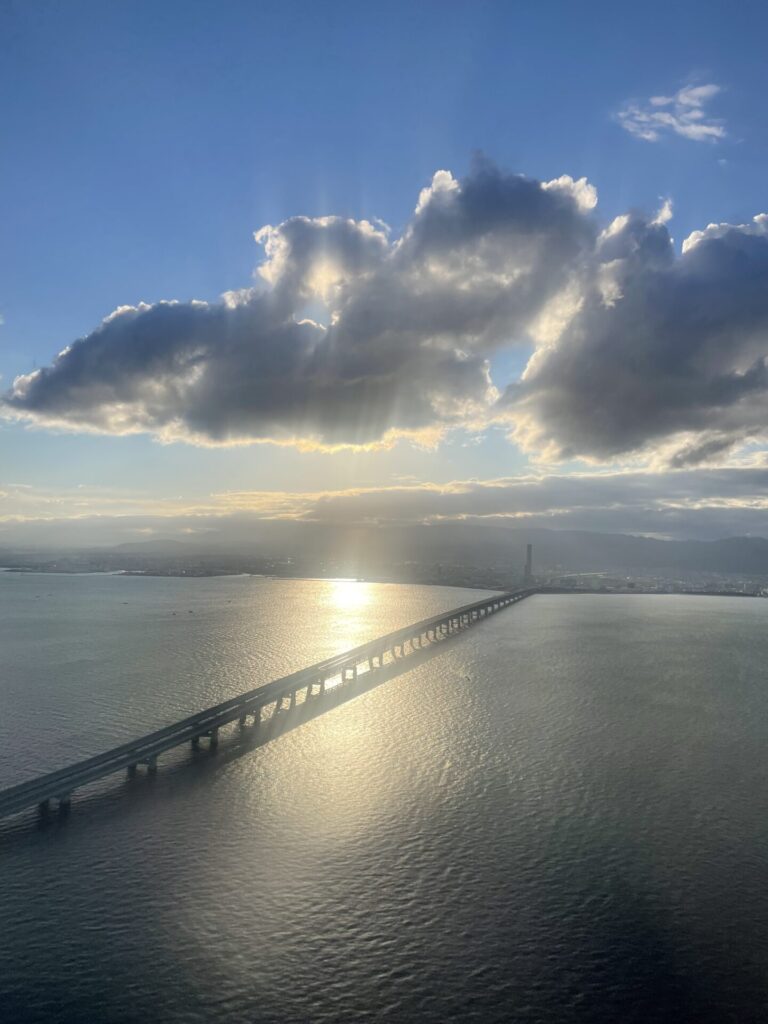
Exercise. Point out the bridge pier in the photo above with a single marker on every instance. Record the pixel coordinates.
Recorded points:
(132, 769)
(63, 804)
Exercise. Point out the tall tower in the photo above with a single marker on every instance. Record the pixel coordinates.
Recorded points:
(528, 576)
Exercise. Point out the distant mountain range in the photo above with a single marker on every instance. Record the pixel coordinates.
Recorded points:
(369, 549)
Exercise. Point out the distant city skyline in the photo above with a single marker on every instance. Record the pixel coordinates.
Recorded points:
(348, 265)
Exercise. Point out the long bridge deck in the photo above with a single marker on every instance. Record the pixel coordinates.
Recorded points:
(258, 705)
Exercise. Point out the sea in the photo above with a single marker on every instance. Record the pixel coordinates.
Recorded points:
(560, 815)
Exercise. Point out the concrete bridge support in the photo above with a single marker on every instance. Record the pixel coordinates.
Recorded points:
(62, 804)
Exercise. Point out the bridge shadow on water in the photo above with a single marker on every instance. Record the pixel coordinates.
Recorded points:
(183, 769)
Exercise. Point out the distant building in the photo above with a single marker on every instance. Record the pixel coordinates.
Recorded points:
(528, 575)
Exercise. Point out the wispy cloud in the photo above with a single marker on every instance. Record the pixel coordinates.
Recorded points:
(681, 114)
(705, 503)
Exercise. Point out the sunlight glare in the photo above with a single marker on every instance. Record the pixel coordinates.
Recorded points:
(349, 595)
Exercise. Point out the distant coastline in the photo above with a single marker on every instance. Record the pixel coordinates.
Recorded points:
(631, 588)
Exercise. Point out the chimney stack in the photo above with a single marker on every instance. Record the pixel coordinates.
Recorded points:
(527, 578)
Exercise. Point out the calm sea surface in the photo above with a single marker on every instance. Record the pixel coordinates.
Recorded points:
(561, 816)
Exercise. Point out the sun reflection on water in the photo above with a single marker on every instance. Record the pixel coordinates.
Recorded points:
(349, 601)
(350, 595)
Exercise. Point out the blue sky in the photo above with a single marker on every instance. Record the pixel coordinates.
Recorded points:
(144, 143)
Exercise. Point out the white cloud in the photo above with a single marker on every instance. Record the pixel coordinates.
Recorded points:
(442, 181)
(682, 114)
(581, 190)
(758, 228)
(665, 213)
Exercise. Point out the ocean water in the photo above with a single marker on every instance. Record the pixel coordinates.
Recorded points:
(561, 815)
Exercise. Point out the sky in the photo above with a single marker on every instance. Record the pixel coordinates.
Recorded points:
(495, 262)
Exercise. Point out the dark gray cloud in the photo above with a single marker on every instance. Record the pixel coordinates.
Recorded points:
(637, 349)
(663, 351)
(410, 326)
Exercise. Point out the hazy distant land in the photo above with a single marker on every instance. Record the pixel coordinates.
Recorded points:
(470, 555)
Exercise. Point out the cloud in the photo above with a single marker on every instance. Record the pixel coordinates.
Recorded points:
(711, 503)
(705, 503)
(410, 327)
(682, 114)
(666, 355)
(638, 352)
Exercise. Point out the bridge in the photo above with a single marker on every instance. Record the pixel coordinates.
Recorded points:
(256, 707)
